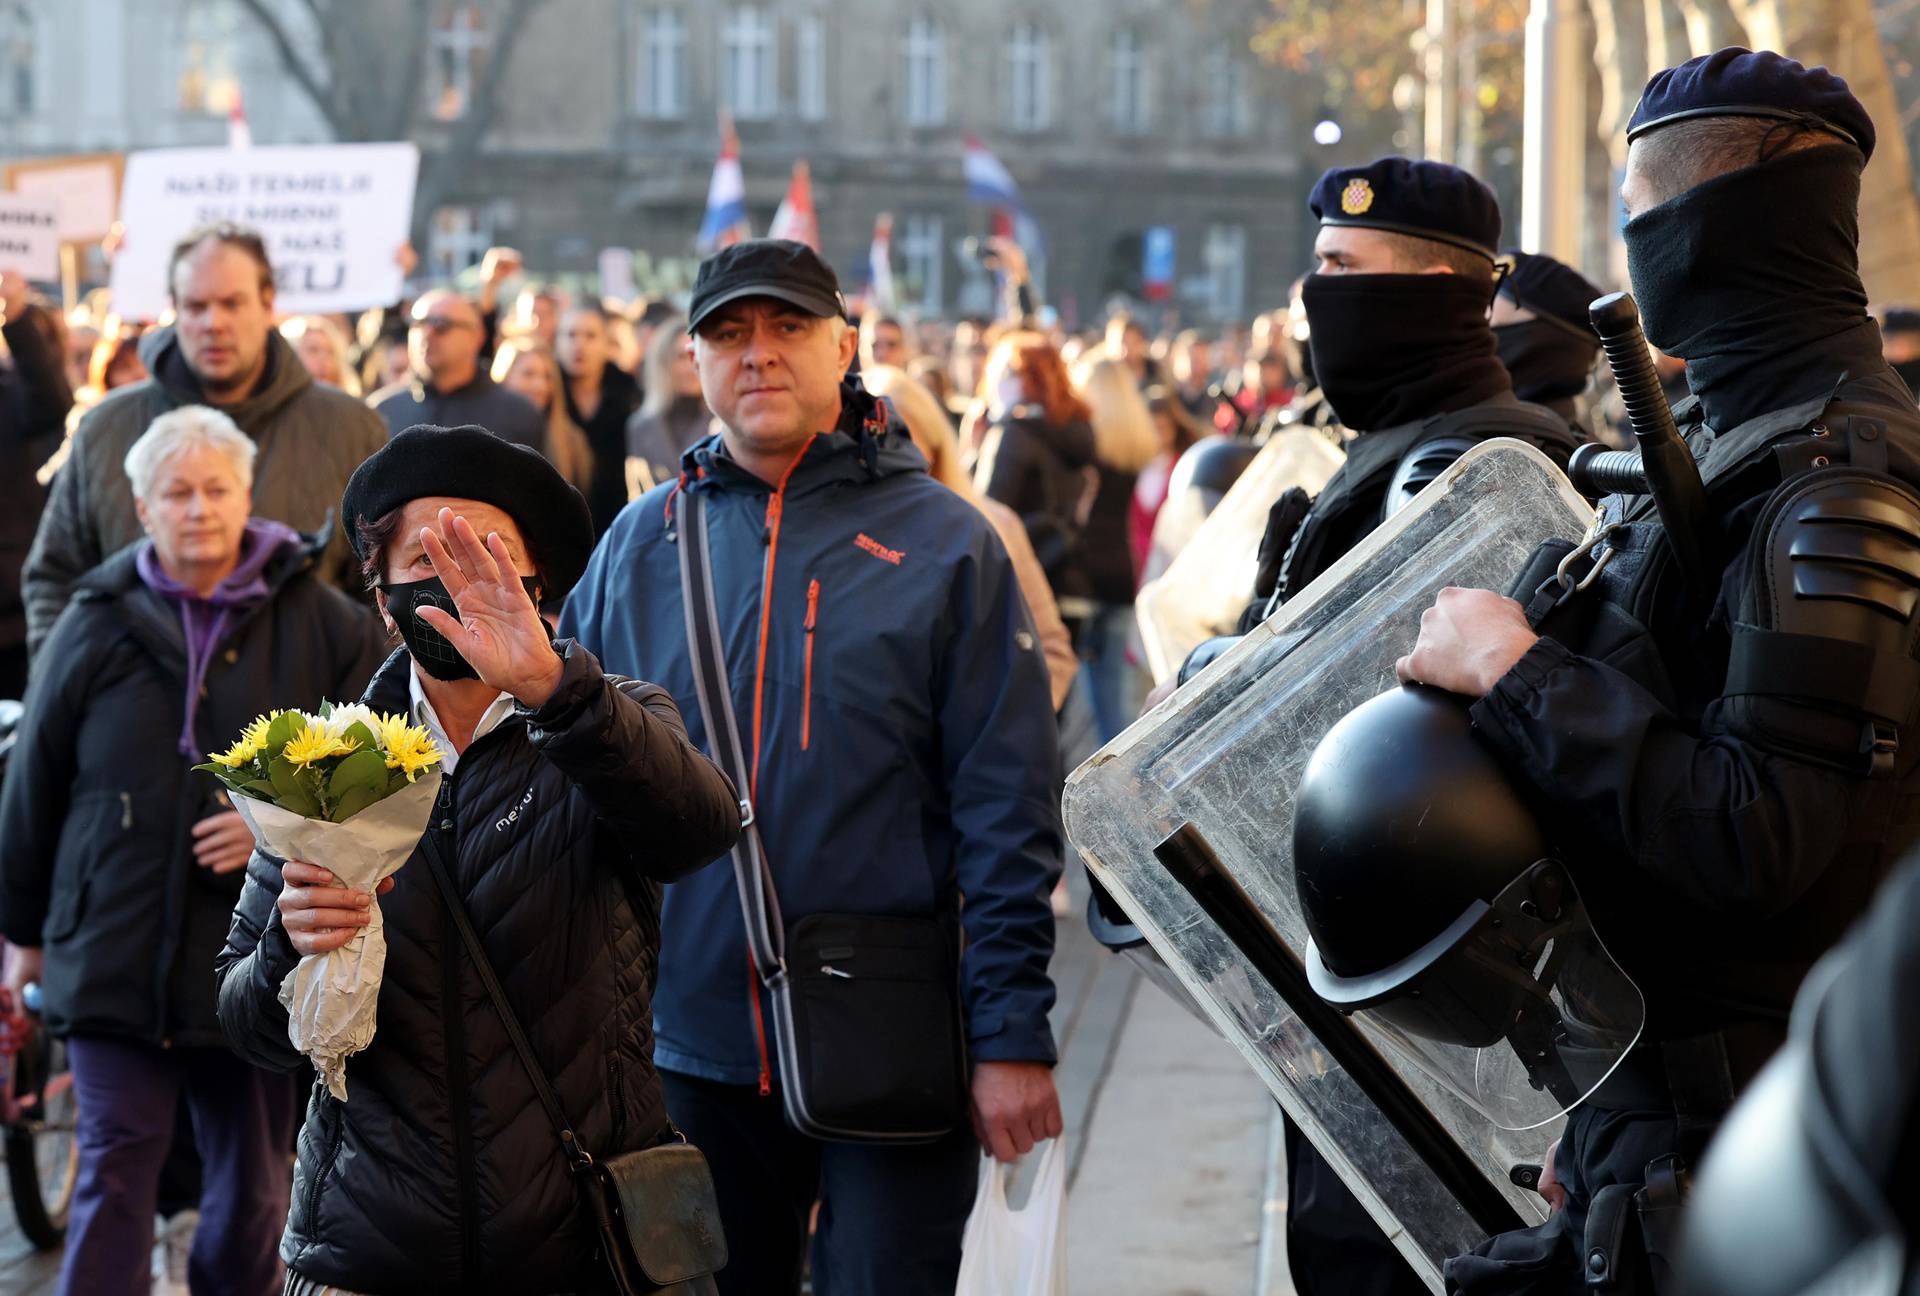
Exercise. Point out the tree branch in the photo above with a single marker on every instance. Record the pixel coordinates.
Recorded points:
(322, 95)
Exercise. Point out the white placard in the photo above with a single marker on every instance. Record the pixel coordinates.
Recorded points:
(85, 190)
(334, 217)
(30, 237)
(616, 274)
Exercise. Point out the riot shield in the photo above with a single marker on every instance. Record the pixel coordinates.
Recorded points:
(1210, 579)
(1225, 753)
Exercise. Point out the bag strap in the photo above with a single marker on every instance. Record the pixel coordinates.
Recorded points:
(759, 903)
(577, 1157)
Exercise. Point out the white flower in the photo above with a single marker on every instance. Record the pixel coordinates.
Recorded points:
(346, 715)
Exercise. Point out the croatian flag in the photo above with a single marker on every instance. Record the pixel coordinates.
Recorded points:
(988, 181)
(880, 265)
(726, 219)
(797, 219)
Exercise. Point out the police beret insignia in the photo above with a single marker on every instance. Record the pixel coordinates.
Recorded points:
(1428, 200)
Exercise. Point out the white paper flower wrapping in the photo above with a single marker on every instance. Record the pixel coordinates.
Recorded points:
(331, 998)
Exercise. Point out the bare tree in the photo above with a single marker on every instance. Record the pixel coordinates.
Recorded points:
(363, 63)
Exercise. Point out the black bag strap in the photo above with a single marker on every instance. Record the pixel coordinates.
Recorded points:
(577, 1158)
(759, 903)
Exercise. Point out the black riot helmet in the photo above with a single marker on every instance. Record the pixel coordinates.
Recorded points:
(1433, 905)
(1212, 465)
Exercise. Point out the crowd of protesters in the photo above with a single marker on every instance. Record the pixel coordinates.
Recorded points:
(927, 539)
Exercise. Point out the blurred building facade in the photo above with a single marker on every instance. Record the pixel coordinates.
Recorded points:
(1113, 116)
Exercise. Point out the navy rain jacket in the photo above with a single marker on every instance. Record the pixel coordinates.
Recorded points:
(891, 691)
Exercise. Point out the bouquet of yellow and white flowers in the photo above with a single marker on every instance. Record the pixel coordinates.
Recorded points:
(340, 788)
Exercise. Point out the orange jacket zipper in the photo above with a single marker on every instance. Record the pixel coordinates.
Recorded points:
(776, 504)
(806, 698)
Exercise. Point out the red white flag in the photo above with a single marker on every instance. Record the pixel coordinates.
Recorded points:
(797, 219)
(239, 134)
(880, 265)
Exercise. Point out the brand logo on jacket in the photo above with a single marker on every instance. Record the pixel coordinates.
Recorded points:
(513, 816)
(868, 544)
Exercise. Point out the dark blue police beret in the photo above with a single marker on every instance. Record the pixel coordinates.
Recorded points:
(1737, 82)
(1428, 200)
(1552, 290)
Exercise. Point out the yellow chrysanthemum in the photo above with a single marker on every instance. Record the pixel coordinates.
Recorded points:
(407, 746)
(252, 741)
(314, 743)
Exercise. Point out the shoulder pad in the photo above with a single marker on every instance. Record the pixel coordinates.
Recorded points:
(1828, 618)
(1422, 465)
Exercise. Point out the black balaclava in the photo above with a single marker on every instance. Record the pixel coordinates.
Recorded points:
(426, 645)
(1392, 348)
(1547, 360)
(1754, 278)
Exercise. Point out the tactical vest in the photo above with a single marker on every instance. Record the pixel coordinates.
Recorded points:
(1618, 597)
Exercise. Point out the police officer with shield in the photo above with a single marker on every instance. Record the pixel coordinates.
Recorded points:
(1711, 704)
(1397, 310)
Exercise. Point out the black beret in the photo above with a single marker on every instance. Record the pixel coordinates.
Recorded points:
(1552, 290)
(1428, 200)
(1738, 82)
(472, 463)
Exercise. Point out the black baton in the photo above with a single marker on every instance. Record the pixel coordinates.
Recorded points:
(1663, 466)
(1187, 855)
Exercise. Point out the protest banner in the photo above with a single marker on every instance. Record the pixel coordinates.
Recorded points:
(30, 237)
(334, 217)
(84, 188)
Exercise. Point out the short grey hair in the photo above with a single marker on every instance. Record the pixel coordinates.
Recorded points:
(192, 427)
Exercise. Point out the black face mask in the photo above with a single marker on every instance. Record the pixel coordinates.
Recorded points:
(1548, 360)
(427, 646)
(1392, 348)
(1754, 278)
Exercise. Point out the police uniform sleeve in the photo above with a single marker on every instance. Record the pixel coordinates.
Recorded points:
(1745, 811)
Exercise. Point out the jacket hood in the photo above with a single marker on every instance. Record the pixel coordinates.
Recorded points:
(285, 376)
(119, 572)
(869, 443)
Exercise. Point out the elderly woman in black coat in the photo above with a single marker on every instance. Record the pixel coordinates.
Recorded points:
(568, 797)
(119, 865)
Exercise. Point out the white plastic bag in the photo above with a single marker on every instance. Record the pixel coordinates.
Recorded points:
(1023, 1252)
(331, 998)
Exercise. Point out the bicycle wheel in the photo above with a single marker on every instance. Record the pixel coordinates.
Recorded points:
(43, 1149)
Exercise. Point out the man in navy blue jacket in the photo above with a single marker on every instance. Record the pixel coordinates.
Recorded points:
(895, 714)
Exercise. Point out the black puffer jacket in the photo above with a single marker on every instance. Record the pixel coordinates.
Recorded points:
(440, 1173)
(96, 860)
(1039, 470)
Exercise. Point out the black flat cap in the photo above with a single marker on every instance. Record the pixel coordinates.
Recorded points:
(472, 463)
(1428, 200)
(1552, 290)
(782, 268)
(1739, 82)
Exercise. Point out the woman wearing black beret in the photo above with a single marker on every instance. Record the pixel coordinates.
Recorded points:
(568, 797)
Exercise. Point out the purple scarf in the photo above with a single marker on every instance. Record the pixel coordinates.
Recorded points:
(205, 619)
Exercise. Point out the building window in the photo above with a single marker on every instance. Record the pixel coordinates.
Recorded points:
(456, 55)
(926, 53)
(924, 258)
(1130, 109)
(1227, 106)
(663, 65)
(746, 64)
(18, 51)
(458, 238)
(208, 83)
(1226, 256)
(1029, 78)
(810, 53)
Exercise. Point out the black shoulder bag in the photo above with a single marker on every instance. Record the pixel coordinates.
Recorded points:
(866, 1007)
(654, 1210)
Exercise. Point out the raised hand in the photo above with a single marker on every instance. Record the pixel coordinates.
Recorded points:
(499, 632)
